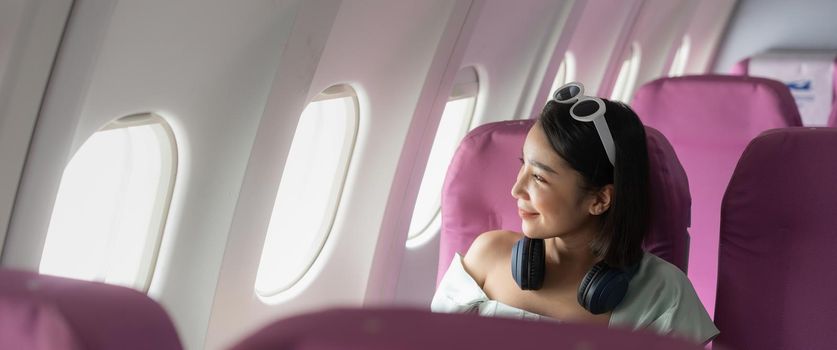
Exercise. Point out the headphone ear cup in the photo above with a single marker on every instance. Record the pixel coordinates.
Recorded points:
(528, 263)
(517, 265)
(584, 287)
(603, 288)
(537, 263)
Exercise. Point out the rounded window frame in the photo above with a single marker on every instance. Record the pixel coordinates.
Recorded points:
(336, 91)
(680, 58)
(566, 73)
(466, 86)
(625, 83)
(162, 203)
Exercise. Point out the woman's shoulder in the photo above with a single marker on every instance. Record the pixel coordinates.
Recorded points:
(492, 245)
(493, 241)
(460, 289)
(660, 296)
(488, 249)
(661, 278)
(663, 272)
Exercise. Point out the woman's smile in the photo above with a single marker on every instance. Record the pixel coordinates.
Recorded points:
(526, 214)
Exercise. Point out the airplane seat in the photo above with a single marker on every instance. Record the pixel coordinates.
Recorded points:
(810, 75)
(47, 312)
(832, 119)
(476, 195)
(776, 277)
(420, 329)
(25, 324)
(709, 120)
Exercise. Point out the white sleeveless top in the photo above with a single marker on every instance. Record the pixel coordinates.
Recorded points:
(660, 298)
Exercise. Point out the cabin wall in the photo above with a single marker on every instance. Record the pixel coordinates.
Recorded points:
(208, 73)
(761, 25)
(707, 27)
(402, 76)
(511, 43)
(593, 44)
(30, 33)
(657, 29)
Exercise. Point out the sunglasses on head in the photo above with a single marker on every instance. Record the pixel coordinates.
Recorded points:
(587, 109)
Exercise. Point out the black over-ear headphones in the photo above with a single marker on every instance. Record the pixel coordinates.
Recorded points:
(601, 290)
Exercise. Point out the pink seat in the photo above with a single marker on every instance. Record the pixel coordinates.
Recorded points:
(26, 324)
(832, 119)
(709, 120)
(477, 193)
(419, 329)
(45, 312)
(777, 279)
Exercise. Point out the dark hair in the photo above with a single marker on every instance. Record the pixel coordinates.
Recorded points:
(624, 225)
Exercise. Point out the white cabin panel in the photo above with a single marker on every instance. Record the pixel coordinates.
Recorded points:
(386, 52)
(204, 66)
(30, 33)
(708, 25)
(762, 25)
(510, 48)
(656, 33)
(596, 39)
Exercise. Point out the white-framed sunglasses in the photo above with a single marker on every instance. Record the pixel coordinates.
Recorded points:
(587, 109)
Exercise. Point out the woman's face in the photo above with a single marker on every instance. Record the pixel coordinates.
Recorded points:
(550, 199)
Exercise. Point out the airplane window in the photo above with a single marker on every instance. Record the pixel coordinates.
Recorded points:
(678, 63)
(566, 73)
(309, 191)
(112, 204)
(623, 89)
(455, 123)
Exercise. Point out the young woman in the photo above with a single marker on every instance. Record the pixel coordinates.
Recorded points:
(582, 195)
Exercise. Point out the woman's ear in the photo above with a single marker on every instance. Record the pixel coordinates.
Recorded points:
(601, 200)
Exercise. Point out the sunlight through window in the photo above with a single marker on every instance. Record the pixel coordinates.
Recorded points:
(623, 89)
(309, 191)
(566, 73)
(112, 203)
(678, 63)
(455, 122)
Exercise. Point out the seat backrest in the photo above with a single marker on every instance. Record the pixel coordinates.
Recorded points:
(777, 279)
(709, 120)
(810, 75)
(420, 329)
(70, 314)
(25, 324)
(832, 118)
(476, 197)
